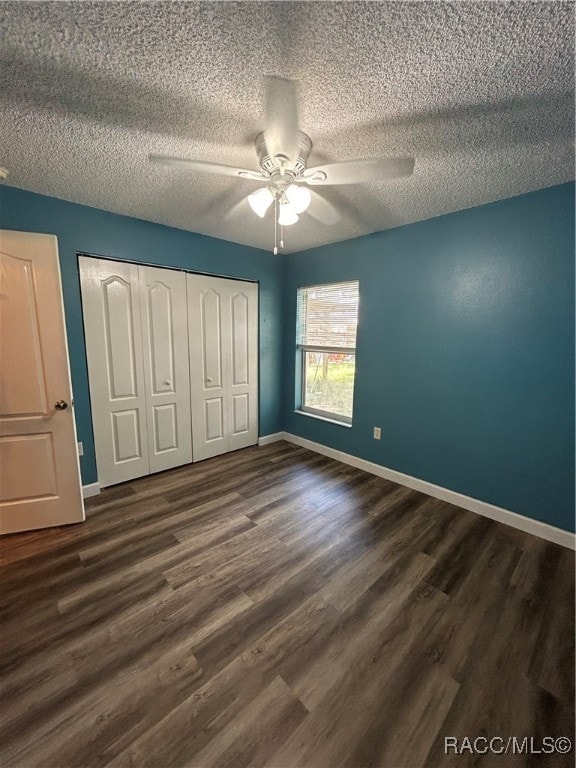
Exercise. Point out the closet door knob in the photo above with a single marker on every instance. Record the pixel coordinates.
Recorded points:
(167, 382)
(61, 405)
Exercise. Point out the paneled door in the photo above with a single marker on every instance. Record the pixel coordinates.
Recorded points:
(39, 471)
(166, 370)
(113, 331)
(242, 390)
(223, 338)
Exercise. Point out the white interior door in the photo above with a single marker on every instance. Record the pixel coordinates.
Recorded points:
(166, 370)
(39, 471)
(223, 338)
(242, 387)
(113, 330)
(208, 355)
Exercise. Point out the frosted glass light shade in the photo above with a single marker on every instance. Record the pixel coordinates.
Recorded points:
(287, 215)
(299, 197)
(260, 201)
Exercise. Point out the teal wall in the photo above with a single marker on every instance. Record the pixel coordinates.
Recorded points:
(83, 229)
(465, 351)
(465, 344)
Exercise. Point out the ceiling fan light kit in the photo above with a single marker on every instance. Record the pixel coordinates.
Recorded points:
(283, 152)
(299, 197)
(287, 215)
(260, 201)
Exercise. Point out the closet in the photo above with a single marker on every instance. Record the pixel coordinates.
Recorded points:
(172, 365)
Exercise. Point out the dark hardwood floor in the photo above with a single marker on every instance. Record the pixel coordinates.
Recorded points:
(273, 607)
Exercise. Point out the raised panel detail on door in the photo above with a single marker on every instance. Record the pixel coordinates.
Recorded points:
(208, 354)
(239, 332)
(24, 394)
(28, 451)
(166, 366)
(211, 339)
(243, 389)
(119, 332)
(165, 429)
(213, 419)
(240, 414)
(113, 331)
(159, 318)
(127, 441)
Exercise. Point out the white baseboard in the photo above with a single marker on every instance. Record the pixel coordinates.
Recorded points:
(93, 489)
(274, 438)
(523, 523)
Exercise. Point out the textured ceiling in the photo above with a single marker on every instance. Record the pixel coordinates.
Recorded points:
(482, 94)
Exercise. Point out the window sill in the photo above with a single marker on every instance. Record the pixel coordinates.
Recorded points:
(323, 418)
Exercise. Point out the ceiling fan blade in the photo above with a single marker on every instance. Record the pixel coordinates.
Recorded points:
(358, 171)
(281, 118)
(322, 210)
(203, 167)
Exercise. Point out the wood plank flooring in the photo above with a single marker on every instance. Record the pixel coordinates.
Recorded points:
(273, 607)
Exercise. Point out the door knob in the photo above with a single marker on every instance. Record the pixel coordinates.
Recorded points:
(167, 382)
(61, 405)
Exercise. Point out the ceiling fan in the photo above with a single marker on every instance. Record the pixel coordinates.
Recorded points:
(283, 152)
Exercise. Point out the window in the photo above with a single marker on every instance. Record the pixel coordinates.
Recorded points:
(327, 317)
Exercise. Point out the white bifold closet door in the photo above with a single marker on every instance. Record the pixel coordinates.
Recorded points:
(172, 363)
(166, 366)
(223, 339)
(135, 322)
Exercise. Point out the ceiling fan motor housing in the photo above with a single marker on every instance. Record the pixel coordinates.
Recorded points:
(270, 165)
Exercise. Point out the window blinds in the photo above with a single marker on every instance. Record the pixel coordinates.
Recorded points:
(327, 315)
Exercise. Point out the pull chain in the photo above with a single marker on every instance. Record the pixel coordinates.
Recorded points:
(275, 226)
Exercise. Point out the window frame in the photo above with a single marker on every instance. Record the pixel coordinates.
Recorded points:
(302, 349)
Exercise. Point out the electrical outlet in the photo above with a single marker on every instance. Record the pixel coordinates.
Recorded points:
(377, 433)
(80, 449)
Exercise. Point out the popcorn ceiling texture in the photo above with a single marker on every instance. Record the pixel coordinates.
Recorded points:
(482, 94)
